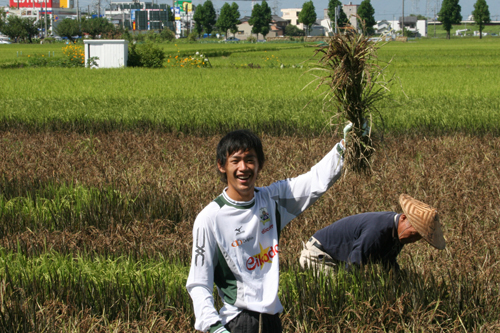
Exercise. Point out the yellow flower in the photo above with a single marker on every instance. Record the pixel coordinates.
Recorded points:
(29, 56)
(168, 60)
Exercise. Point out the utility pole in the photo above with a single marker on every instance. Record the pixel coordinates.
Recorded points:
(45, 20)
(434, 22)
(403, 19)
(336, 14)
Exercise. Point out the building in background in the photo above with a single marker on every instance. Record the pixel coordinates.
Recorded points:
(50, 10)
(67, 3)
(419, 27)
(351, 12)
(382, 27)
(276, 28)
(292, 16)
(138, 15)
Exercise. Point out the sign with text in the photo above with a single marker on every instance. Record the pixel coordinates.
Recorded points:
(177, 13)
(34, 3)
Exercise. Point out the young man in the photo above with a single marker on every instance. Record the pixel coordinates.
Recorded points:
(235, 237)
(373, 237)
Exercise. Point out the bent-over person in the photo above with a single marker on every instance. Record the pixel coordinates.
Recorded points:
(376, 237)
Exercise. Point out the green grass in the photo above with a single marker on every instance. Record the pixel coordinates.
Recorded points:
(119, 288)
(441, 33)
(441, 86)
(53, 206)
(20, 52)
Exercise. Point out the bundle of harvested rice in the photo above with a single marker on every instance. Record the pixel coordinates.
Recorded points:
(355, 83)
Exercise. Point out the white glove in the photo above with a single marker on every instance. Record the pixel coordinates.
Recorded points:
(347, 129)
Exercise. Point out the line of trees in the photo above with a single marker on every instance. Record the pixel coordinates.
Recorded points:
(229, 18)
(93, 26)
(25, 29)
(450, 14)
(205, 18)
(19, 28)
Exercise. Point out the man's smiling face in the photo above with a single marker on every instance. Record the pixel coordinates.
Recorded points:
(241, 169)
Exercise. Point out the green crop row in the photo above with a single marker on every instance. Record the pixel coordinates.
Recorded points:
(50, 206)
(439, 86)
(113, 288)
(128, 290)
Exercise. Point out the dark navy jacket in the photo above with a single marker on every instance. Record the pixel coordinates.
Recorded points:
(362, 238)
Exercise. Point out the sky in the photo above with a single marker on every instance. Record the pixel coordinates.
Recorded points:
(384, 9)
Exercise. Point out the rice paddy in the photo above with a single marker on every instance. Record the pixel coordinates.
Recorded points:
(102, 173)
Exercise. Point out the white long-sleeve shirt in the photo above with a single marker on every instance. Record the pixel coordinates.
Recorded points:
(235, 245)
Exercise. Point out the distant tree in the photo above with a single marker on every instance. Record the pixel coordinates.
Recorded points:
(267, 18)
(198, 19)
(419, 16)
(68, 28)
(307, 15)
(481, 15)
(449, 14)
(3, 16)
(366, 13)
(235, 17)
(342, 19)
(170, 14)
(225, 19)
(209, 16)
(293, 30)
(30, 27)
(19, 28)
(260, 19)
(167, 34)
(255, 19)
(12, 27)
(96, 26)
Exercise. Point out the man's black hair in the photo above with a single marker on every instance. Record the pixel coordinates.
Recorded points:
(234, 142)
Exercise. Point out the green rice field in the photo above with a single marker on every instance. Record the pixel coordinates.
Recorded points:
(103, 171)
(440, 85)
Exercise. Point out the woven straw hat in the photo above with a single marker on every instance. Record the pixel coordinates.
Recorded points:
(424, 219)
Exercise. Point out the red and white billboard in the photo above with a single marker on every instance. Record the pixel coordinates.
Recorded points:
(37, 3)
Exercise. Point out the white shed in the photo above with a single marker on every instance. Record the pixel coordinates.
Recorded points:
(110, 53)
